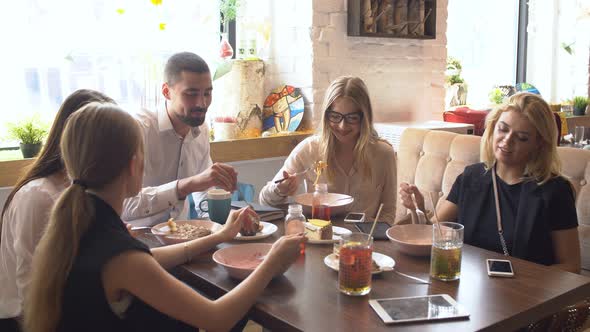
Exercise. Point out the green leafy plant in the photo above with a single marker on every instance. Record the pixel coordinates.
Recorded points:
(228, 9)
(29, 130)
(496, 96)
(453, 71)
(580, 102)
(568, 48)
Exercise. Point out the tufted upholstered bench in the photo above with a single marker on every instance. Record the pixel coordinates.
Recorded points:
(433, 159)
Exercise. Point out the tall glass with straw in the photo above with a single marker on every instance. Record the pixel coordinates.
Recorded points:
(355, 262)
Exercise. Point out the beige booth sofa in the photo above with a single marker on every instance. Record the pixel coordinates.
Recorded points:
(433, 159)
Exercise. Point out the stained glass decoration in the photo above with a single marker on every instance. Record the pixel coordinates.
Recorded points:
(283, 110)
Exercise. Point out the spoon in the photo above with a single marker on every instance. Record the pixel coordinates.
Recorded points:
(139, 228)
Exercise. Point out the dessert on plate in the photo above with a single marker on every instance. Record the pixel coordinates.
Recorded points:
(317, 229)
(251, 225)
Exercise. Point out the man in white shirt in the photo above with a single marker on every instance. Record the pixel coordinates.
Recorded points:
(176, 150)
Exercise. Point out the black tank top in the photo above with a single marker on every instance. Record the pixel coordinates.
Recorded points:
(85, 306)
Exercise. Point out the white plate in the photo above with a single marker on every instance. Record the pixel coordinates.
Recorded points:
(384, 262)
(162, 230)
(336, 232)
(267, 230)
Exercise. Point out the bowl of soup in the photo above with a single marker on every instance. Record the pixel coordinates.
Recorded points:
(411, 239)
(241, 260)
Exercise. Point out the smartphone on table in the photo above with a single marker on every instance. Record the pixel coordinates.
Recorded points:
(499, 268)
(354, 217)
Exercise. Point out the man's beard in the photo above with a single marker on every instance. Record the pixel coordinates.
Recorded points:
(193, 121)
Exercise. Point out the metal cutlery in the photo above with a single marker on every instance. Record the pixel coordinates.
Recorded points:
(405, 275)
(296, 174)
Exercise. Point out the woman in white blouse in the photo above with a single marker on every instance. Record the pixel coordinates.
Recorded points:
(27, 208)
(360, 164)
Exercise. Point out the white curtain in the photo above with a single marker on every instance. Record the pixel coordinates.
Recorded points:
(558, 46)
(53, 47)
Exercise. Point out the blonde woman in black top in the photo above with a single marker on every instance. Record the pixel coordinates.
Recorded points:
(537, 204)
(90, 274)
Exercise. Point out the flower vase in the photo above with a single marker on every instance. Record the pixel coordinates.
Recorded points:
(225, 50)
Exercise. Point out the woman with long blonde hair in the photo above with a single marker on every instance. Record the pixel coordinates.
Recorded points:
(359, 163)
(90, 274)
(26, 211)
(519, 175)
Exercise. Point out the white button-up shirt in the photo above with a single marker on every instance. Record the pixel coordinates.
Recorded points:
(168, 158)
(368, 193)
(22, 227)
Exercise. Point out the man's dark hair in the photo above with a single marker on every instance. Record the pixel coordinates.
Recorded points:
(185, 61)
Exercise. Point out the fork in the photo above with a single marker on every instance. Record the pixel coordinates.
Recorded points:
(421, 216)
(296, 174)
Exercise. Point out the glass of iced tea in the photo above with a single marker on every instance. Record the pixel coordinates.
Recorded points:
(354, 269)
(445, 259)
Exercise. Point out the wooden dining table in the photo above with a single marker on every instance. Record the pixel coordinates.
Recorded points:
(306, 297)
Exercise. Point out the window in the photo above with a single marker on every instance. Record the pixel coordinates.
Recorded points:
(482, 35)
(117, 47)
(558, 48)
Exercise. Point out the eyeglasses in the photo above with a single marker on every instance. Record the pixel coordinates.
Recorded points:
(350, 118)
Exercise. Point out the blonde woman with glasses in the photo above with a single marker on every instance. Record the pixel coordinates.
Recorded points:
(90, 274)
(519, 175)
(360, 164)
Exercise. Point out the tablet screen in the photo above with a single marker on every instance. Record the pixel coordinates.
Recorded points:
(419, 308)
(380, 229)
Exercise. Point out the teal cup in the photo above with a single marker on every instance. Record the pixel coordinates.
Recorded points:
(218, 205)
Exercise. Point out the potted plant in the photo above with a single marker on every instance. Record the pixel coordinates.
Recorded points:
(228, 9)
(455, 85)
(496, 96)
(30, 132)
(579, 105)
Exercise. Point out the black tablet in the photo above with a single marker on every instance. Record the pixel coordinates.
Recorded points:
(379, 232)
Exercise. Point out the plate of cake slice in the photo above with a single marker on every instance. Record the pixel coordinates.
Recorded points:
(320, 231)
(266, 229)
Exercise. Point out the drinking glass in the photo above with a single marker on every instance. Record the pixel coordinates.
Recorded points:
(579, 135)
(354, 270)
(445, 259)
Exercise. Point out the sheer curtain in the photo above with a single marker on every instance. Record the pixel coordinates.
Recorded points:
(53, 47)
(558, 48)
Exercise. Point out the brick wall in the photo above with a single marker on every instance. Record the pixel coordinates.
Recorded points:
(310, 48)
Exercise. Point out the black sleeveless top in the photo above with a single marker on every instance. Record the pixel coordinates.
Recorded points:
(85, 306)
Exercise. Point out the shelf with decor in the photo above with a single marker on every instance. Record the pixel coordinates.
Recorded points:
(411, 19)
(222, 151)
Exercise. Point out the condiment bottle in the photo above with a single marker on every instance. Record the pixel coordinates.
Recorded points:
(294, 222)
(320, 208)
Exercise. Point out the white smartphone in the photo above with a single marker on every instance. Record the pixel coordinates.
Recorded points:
(418, 308)
(354, 217)
(499, 268)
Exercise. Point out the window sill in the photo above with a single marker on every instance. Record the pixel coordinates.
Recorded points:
(222, 151)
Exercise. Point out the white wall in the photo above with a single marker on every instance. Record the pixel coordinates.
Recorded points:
(310, 48)
(258, 172)
(405, 77)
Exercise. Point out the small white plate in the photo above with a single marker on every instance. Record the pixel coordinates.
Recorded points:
(385, 262)
(267, 230)
(336, 232)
